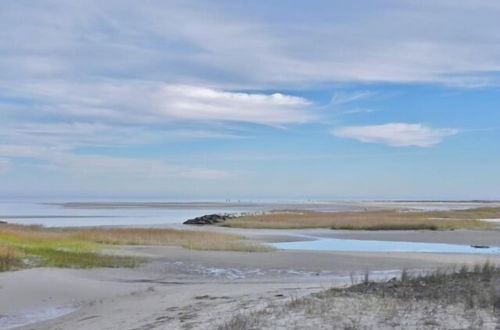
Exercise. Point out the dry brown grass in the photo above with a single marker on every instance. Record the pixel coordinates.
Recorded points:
(227, 245)
(369, 220)
(149, 236)
(190, 239)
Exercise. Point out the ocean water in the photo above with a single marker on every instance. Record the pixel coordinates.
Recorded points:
(57, 213)
(54, 213)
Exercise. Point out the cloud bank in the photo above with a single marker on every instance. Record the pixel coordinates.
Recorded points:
(244, 45)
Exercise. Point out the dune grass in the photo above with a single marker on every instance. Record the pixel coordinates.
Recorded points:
(24, 246)
(473, 286)
(369, 220)
(463, 298)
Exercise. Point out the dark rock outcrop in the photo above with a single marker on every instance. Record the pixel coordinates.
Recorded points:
(209, 219)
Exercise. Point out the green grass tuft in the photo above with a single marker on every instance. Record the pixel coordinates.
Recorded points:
(49, 257)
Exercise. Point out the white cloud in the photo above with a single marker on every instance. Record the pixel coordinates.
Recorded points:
(198, 103)
(396, 134)
(150, 102)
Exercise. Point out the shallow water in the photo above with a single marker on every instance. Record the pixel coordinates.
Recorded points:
(335, 244)
(32, 316)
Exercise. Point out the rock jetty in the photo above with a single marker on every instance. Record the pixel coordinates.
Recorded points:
(209, 219)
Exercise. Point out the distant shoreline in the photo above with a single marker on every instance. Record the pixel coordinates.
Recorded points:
(201, 204)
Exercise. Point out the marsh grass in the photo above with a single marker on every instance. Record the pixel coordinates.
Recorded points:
(189, 239)
(225, 245)
(49, 257)
(150, 236)
(369, 220)
(82, 248)
(10, 258)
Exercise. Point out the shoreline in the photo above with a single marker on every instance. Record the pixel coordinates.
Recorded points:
(176, 279)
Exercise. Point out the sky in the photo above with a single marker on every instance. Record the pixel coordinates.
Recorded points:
(284, 99)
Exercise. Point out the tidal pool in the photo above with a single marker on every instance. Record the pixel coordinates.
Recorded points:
(336, 244)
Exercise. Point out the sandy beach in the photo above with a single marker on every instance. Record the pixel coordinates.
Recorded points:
(185, 289)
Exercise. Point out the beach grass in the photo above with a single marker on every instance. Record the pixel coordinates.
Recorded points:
(368, 220)
(462, 298)
(83, 248)
(472, 286)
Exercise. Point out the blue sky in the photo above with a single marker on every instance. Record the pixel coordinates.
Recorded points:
(250, 100)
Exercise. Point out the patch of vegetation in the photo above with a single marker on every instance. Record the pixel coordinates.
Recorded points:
(369, 220)
(10, 258)
(237, 246)
(387, 226)
(49, 257)
(466, 298)
(28, 246)
(478, 286)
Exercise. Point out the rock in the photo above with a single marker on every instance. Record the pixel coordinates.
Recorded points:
(480, 246)
(3, 222)
(209, 219)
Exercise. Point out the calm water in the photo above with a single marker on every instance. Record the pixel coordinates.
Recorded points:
(58, 216)
(148, 213)
(145, 213)
(334, 244)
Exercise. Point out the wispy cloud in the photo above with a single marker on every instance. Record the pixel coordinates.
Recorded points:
(396, 134)
(92, 166)
(341, 98)
(150, 102)
(100, 166)
(70, 135)
(234, 47)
